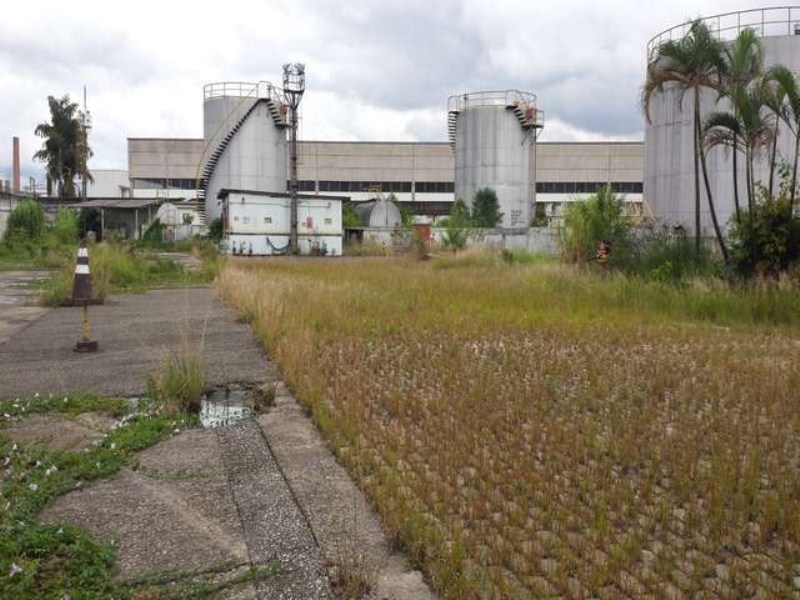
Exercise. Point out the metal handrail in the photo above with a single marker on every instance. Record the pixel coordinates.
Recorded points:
(239, 89)
(461, 102)
(767, 21)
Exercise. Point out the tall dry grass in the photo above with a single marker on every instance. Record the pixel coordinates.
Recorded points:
(530, 430)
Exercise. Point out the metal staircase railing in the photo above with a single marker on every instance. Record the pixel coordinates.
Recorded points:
(452, 127)
(227, 129)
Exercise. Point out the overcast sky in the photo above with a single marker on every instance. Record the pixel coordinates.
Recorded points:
(376, 69)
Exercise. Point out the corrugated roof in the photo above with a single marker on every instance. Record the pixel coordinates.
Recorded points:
(121, 203)
(225, 192)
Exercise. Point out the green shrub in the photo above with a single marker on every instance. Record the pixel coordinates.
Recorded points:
(26, 220)
(669, 256)
(457, 226)
(215, 230)
(66, 227)
(154, 233)
(486, 209)
(766, 241)
(587, 223)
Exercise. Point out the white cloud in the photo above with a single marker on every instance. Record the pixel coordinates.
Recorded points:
(377, 69)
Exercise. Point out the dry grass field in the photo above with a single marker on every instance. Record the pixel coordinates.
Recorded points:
(530, 430)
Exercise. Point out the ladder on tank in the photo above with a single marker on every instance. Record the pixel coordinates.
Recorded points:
(277, 112)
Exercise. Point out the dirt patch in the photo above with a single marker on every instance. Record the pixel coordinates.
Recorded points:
(59, 433)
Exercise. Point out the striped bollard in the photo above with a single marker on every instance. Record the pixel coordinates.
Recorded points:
(82, 295)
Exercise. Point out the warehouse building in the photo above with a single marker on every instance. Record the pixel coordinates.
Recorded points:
(420, 172)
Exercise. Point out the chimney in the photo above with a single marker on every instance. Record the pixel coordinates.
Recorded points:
(16, 165)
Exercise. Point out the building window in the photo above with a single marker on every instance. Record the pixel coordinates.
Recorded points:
(267, 220)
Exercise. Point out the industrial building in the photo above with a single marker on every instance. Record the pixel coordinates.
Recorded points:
(493, 142)
(421, 172)
(669, 185)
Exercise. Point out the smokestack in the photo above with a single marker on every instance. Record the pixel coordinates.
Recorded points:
(16, 165)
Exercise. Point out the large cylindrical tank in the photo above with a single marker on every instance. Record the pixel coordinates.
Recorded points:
(669, 184)
(494, 139)
(244, 129)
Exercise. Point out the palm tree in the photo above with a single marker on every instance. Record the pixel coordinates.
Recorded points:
(65, 150)
(749, 128)
(790, 88)
(775, 101)
(744, 62)
(692, 63)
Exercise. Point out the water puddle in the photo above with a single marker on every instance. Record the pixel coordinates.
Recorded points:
(225, 407)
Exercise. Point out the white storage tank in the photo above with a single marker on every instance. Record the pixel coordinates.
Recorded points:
(494, 136)
(669, 187)
(258, 223)
(244, 128)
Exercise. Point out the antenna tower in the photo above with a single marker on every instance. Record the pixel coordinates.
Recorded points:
(294, 85)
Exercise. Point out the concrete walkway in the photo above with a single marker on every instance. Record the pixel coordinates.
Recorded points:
(214, 501)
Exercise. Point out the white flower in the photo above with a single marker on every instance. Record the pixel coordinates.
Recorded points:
(36, 395)
(65, 399)
(6, 415)
(14, 448)
(60, 531)
(176, 430)
(33, 487)
(14, 570)
(7, 461)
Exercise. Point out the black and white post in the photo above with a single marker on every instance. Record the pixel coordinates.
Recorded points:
(82, 295)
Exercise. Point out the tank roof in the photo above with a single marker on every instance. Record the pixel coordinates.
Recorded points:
(504, 98)
(769, 21)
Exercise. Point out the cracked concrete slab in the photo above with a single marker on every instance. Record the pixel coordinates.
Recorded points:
(274, 525)
(175, 516)
(339, 514)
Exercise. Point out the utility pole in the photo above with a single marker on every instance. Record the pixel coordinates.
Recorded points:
(86, 126)
(294, 85)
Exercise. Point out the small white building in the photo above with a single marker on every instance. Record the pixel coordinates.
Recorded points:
(180, 220)
(259, 223)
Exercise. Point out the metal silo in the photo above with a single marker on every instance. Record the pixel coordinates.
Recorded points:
(245, 141)
(494, 136)
(669, 187)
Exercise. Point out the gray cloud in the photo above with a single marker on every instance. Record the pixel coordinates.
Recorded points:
(375, 67)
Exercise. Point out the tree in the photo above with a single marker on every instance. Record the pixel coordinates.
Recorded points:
(486, 209)
(788, 85)
(744, 63)
(692, 63)
(750, 128)
(65, 150)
